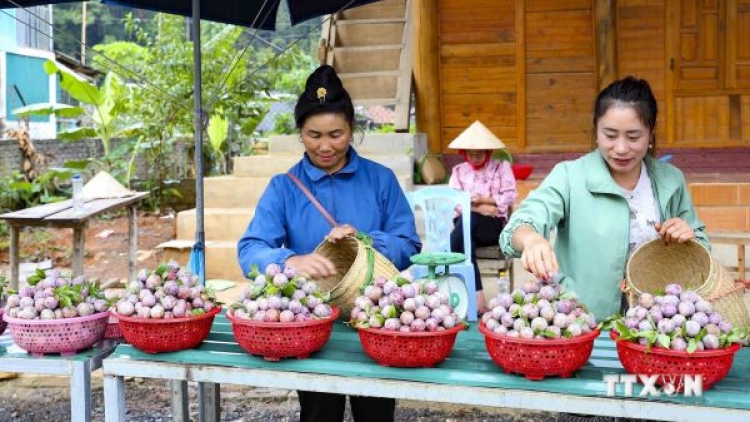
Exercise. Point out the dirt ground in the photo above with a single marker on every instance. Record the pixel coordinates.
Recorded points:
(30, 398)
(106, 245)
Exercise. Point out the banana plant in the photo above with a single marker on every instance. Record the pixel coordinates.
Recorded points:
(102, 109)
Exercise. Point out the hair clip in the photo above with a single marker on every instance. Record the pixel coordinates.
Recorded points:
(322, 94)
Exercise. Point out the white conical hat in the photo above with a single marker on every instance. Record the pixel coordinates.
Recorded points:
(477, 136)
(104, 186)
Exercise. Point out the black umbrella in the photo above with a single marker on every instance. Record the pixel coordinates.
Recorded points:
(259, 14)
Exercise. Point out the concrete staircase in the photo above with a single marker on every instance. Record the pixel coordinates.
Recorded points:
(370, 47)
(230, 200)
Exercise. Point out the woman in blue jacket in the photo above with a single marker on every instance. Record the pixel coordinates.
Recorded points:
(361, 195)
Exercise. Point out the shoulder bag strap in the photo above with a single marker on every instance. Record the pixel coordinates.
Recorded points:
(312, 199)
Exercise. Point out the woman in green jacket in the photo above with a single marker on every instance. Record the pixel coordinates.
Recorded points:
(604, 204)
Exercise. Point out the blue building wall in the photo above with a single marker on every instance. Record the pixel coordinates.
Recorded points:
(27, 80)
(8, 38)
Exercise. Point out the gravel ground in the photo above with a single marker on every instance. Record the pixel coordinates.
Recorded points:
(37, 399)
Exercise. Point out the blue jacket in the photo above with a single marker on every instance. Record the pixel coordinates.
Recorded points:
(592, 218)
(363, 194)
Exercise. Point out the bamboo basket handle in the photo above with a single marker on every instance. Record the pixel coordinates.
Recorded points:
(313, 199)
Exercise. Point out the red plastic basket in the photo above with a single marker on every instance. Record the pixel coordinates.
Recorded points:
(64, 336)
(536, 359)
(673, 365)
(166, 335)
(408, 350)
(113, 328)
(276, 340)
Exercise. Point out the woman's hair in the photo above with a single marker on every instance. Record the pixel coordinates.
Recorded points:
(632, 92)
(324, 93)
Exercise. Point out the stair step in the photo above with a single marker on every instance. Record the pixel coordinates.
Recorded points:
(369, 32)
(369, 48)
(371, 86)
(244, 192)
(233, 192)
(374, 21)
(381, 9)
(366, 58)
(378, 73)
(226, 224)
(375, 101)
(373, 143)
(266, 165)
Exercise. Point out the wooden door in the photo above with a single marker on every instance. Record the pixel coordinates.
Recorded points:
(710, 73)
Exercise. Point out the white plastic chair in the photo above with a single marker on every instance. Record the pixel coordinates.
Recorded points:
(437, 204)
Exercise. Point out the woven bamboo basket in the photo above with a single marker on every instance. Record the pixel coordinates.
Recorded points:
(357, 264)
(654, 265)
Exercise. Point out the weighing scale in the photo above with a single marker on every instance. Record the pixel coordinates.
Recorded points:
(451, 284)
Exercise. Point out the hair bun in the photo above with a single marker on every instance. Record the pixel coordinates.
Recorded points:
(324, 85)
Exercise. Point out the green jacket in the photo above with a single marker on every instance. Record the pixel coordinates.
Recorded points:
(592, 218)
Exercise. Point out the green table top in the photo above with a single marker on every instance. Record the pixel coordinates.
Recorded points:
(8, 349)
(468, 365)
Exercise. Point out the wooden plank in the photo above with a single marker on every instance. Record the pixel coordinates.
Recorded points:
(480, 86)
(492, 61)
(473, 50)
(427, 71)
(466, 119)
(499, 99)
(520, 19)
(488, 35)
(571, 82)
(547, 5)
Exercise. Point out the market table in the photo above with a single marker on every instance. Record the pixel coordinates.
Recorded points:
(78, 367)
(62, 215)
(468, 377)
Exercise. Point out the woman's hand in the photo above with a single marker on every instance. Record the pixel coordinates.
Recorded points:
(340, 232)
(312, 265)
(537, 255)
(675, 230)
(490, 210)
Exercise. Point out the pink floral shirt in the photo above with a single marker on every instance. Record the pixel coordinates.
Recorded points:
(495, 179)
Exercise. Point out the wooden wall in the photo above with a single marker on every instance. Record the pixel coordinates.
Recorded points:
(530, 70)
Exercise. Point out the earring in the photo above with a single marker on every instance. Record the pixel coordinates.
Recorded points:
(300, 140)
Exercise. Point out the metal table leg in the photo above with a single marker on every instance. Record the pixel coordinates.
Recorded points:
(114, 398)
(79, 250)
(14, 260)
(180, 411)
(80, 391)
(133, 237)
(208, 402)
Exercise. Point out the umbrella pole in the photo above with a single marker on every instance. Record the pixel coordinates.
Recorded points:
(198, 121)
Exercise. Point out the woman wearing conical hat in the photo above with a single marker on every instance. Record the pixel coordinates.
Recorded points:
(493, 190)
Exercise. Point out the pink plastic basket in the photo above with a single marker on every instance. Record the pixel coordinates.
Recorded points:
(64, 336)
(3, 324)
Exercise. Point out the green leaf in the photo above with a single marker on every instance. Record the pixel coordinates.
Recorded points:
(692, 345)
(518, 298)
(218, 127)
(77, 134)
(288, 290)
(663, 340)
(48, 109)
(75, 85)
(702, 333)
(161, 269)
(253, 272)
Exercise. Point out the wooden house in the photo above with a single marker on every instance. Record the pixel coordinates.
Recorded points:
(530, 70)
